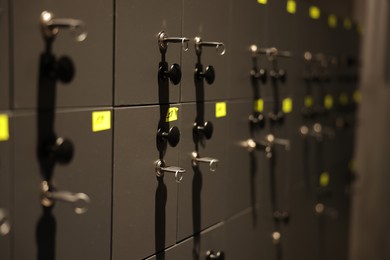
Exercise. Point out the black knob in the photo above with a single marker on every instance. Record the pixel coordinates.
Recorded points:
(207, 129)
(281, 216)
(208, 75)
(277, 117)
(220, 255)
(173, 136)
(278, 75)
(260, 74)
(61, 150)
(174, 73)
(65, 69)
(257, 119)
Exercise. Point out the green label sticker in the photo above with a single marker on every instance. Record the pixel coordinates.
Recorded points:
(343, 99)
(314, 12)
(291, 6)
(259, 105)
(328, 102)
(101, 120)
(220, 109)
(4, 127)
(287, 105)
(172, 114)
(263, 2)
(347, 24)
(332, 21)
(324, 179)
(309, 101)
(357, 96)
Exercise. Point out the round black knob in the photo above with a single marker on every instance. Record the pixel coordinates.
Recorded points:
(208, 75)
(207, 129)
(174, 73)
(277, 117)
(281, 216)
(260, 74)
(62, 150)
(65, 69)
(282, 75)
(257, 119)
(173, 135)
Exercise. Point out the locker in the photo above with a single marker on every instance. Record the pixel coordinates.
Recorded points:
(137, 53)
(91, 58)
(209, 244)
(4, 56)
(6, 217)
(202, 194)
(199, 21)
(145, 206)
(61, 231)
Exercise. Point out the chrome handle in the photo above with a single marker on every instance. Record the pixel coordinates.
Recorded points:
(51, 26)
(272, 141)
(220, 46)
(322, 210)
(276, 237)
(271, 52)
(79, 200)
(163, 41)
(213, 163)
(252, 145)
(5, 225)
(161, 168)
(218, 255)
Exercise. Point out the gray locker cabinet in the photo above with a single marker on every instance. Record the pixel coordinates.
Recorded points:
(248, 235)
(145, 206)
(198, 247)
(247, 28)
(60, 233)
(4, 55)
(92, 58)
(137, 54)
(202, 195)
(5, 195)
(199, 20)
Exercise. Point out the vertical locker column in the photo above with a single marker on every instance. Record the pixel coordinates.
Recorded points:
(6, 217)
(81, 49)
(4, 55)
(62, 178)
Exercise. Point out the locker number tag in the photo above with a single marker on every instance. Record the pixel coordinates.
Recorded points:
(309, 101)
(291, 6)
(328, 102)
(262, 2)
(343, 99)
(332, 21)
(287, 105)
(101, 120)
(4, 128)
(172, 115)
(220, 109)
(314, 12)
(259, 105)
(324, 179)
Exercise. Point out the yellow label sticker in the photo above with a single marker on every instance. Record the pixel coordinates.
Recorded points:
(263, 2)
(314, 12)
(259, 105)
(309, 101)
(101, 120)
(291, 6)
(360, 29)
(352, 165)
(4, 127)
(332, 21)
(220, 109)
(357, 96)
(343, 99)
(287, 105)
(324, 179)
(347, 24)
(328, 101)
(172, 114)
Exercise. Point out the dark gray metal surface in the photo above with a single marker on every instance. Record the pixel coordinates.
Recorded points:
(4, 55)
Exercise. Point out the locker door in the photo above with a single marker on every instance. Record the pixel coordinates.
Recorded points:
(50, 218)
(81, 66)
(4, 55)
(145, 205)
(137, 53)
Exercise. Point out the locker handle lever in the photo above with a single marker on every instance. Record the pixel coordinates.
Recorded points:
(270, 52)
(213, 163)
(51, 26)
(218, 255)
(219, 46)
(5, 225)
(163, 41)
(161, 168)
(79, 200)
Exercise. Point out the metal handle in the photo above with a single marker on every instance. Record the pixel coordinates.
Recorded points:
(213, 163)
(220, 46)
(161, 169)
(272, 141)
(318, 131)
(218, 255)
(276, 237)
(79, 200)
(51, 26)
(5, 225)
(271, 52)
(163, 41)
(322, 210)
(252, 145)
